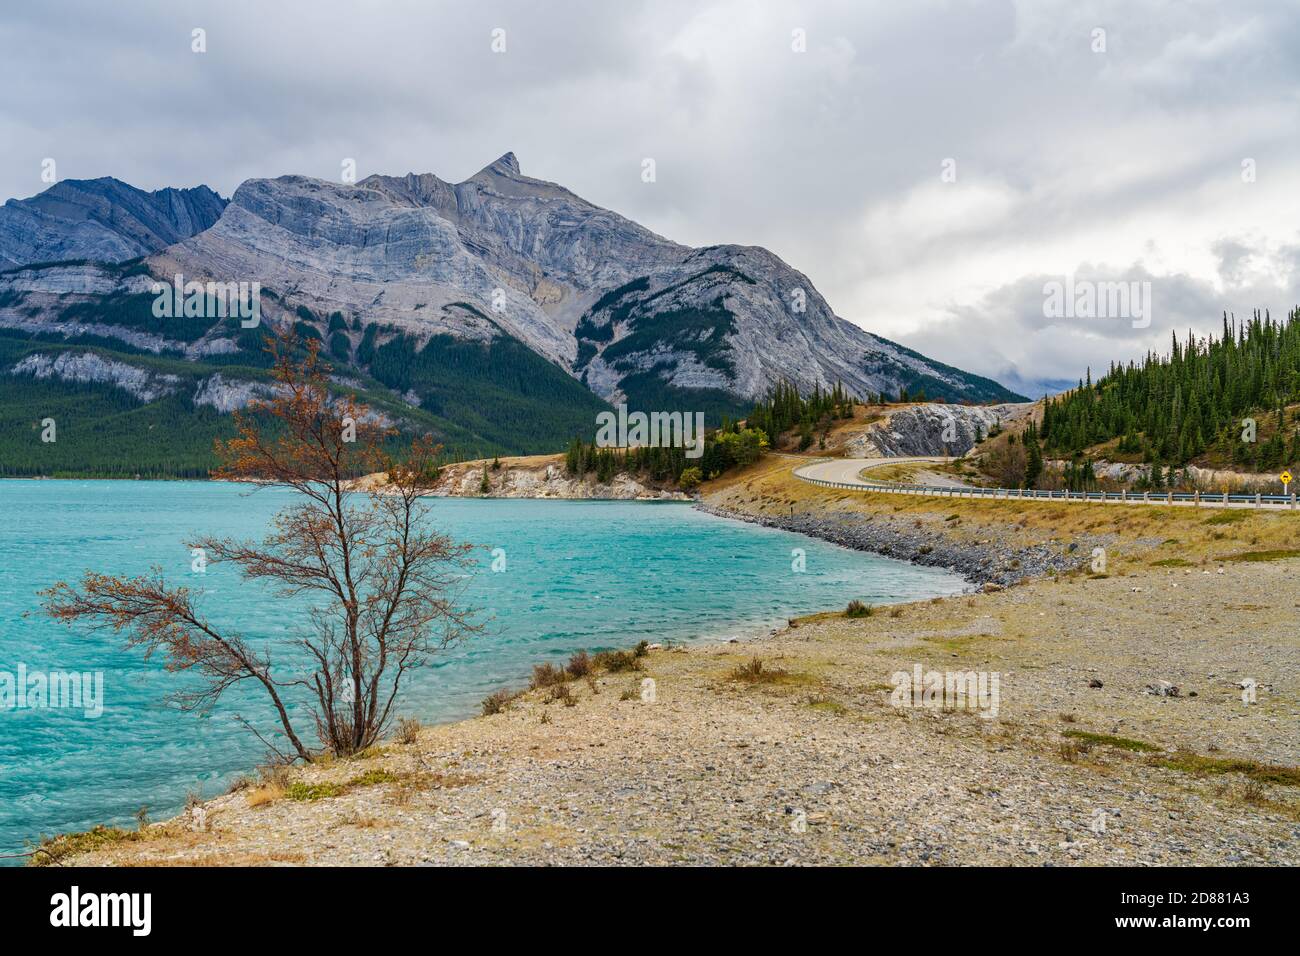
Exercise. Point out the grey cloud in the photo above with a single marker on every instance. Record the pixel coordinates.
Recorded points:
(754, 144)
(1019, 344)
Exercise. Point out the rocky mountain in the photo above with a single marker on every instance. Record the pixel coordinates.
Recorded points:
(502, 311)
(635, 316)
(103, 220)
(932, 429)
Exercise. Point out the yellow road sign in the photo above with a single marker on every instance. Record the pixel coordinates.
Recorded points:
(1286, 477)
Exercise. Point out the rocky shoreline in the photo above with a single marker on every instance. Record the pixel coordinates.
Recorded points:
(983, 562)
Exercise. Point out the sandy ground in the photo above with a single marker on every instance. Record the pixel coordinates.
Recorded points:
(810, 760)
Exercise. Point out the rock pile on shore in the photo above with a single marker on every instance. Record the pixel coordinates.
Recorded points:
(987, 561)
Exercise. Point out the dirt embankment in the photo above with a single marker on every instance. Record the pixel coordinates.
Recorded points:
(535, 476)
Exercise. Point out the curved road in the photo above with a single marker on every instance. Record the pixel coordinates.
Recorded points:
(847, 473)
(847, 470)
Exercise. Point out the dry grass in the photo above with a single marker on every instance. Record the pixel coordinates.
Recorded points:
(408, 730)
(902, 474)
(242, 782)
(261, 796)
(275, 858)
(1227, 517)
(361, 821)
(1254, 793)
(1081, 737)
(756, 672)
(1187, 761)
(827, 704)
(55, 849)
(769, 487)
(1273, 554)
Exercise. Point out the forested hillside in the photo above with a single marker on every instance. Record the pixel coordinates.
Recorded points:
(476, 399)
(1194, 405)
(784, 409)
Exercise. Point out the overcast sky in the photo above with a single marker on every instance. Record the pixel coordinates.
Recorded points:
(1122, 163)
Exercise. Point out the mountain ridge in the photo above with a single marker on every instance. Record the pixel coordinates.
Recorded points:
(101, 219)
(533, 259)
(416, 286)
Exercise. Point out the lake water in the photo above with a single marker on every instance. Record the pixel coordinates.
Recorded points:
(578, 574)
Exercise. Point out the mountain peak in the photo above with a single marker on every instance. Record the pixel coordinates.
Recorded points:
(507, 165)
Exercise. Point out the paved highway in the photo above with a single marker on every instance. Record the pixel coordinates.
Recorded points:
(848, 473)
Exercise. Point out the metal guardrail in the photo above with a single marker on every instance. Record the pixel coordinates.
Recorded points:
(1013, 494)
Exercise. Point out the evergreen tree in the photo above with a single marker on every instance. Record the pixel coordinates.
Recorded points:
(1033, 457)
(1177, 407)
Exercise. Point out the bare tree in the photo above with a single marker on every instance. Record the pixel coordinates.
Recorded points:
(384, 585)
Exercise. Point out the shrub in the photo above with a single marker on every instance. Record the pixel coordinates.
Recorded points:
(616, 661)
(274, 775)
(544, 675)
(408, 730)
(313, 791)
(497, 702)
(857, 609)
(579, 665)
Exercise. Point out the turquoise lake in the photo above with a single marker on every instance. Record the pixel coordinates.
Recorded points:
(579, 574)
